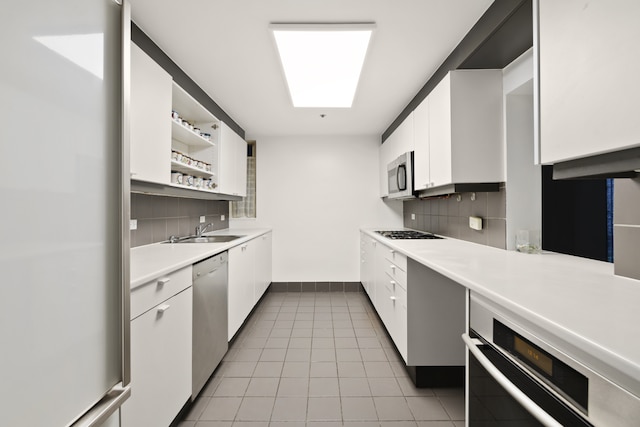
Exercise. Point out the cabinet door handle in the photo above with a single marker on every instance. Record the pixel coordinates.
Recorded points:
(393, 267)
(393, 282)
(164, 281)
(163, 308)
(392, 298)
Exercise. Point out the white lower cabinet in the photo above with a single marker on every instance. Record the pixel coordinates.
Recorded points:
(249, 277)
(160, 352)
(241, 284)
(367, 265)
(263, 265)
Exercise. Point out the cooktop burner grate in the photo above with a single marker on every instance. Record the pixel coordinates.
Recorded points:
(407, 234)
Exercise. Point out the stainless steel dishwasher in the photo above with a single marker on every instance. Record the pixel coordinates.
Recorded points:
(209, 318)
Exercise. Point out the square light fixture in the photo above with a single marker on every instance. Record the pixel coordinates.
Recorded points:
(322, 63)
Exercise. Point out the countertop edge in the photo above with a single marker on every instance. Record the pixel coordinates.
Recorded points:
(198, 252)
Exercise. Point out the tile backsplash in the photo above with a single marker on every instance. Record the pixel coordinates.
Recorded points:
(160, 217)
(626, 227)
(449, 217)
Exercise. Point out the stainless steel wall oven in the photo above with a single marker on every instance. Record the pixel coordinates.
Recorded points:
(516, 378)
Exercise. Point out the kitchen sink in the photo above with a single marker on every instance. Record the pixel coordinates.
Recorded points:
(205, 239)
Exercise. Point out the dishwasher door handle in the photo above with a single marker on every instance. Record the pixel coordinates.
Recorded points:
(531, 406)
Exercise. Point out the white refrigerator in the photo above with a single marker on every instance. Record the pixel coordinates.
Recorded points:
(64, 212)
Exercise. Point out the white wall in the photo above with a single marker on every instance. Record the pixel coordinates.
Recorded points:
(316, 193)
(524, 182)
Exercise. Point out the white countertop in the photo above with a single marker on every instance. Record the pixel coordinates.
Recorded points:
(152, 261)
(579, 301)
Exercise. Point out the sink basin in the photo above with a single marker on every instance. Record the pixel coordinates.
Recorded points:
(207, 239)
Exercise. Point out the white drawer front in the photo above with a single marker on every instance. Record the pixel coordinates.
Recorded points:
(152, 293)
(396, 257)
(396, 273)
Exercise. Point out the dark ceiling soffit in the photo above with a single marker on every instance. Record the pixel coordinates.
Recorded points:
(489, 24)
(619, 164)
(181, 78)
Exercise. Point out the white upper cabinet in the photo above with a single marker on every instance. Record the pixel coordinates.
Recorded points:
(399, 142)
(232, 163)
(384, 158)
(588, 87)
(150, 107)
(465, 129)
(422, 157)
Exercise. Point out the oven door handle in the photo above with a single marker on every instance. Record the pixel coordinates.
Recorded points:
(515, 392)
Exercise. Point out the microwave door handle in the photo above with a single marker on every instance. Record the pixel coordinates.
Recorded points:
(513, 391)
(402, 169)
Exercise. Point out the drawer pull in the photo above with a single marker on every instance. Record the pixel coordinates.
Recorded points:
(393, 267)
(162, 282)
(163, 308)
(392, 298)
(393, 282)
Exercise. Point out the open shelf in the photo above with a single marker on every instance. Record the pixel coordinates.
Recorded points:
(185, 135)
(189, 108)
(181, 167)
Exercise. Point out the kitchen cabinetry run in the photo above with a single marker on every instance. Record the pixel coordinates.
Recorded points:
(150, 130)
(177, 142)
(423, 312)
(458, 130)
(391, 292)
(161, 312)
(249, 277)
(233, 163)
(588, 83)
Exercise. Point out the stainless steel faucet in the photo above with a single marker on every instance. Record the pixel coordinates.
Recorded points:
(201, 228)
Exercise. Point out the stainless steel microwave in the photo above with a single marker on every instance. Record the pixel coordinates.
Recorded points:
(400, 177)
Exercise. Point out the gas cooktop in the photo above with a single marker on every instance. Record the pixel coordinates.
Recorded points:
(407, 234)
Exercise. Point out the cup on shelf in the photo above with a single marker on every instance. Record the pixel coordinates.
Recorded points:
(174, 115)
(187, 180)
(206, 136)
(176, 177)
(197, 182)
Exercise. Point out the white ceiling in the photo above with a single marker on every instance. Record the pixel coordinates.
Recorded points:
(226, 47)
